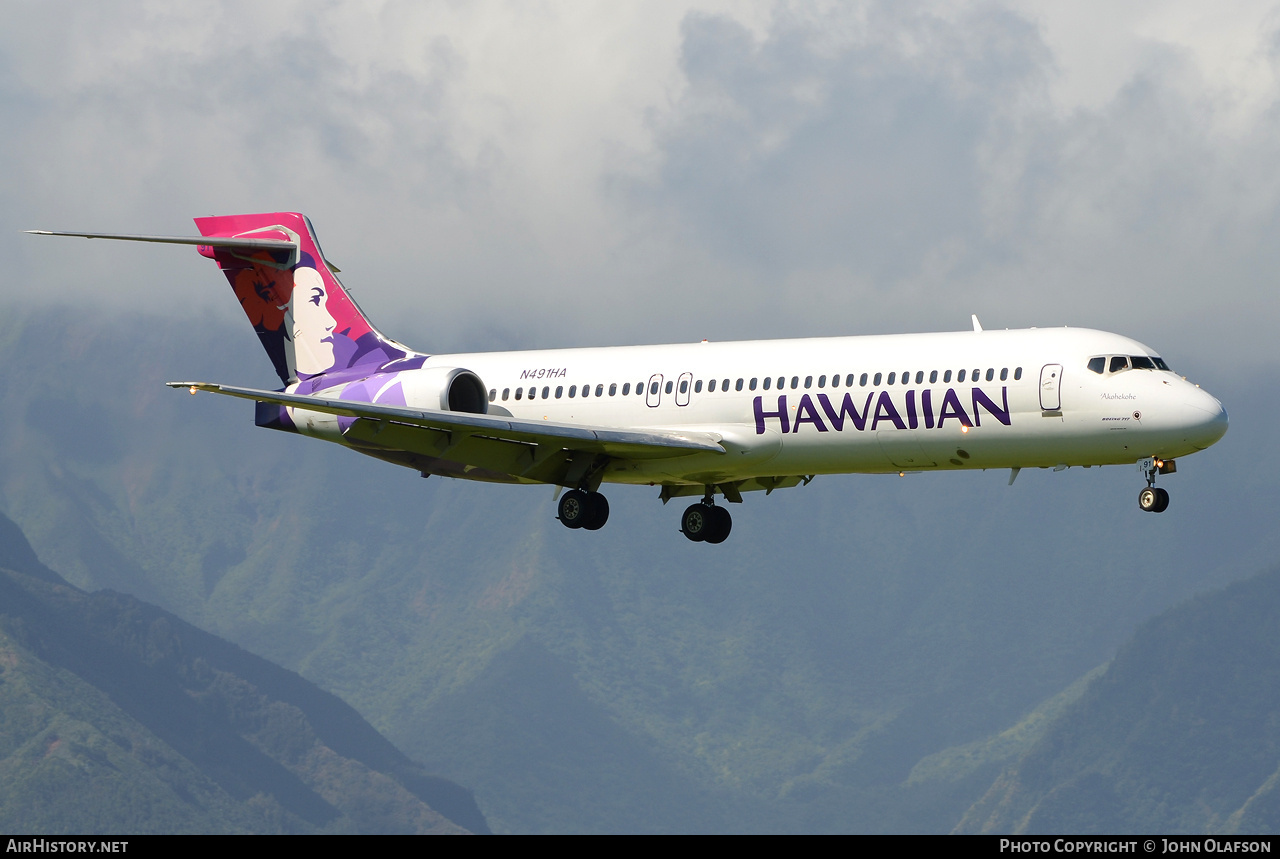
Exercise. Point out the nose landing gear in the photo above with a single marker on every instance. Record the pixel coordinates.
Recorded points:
(1153, 499)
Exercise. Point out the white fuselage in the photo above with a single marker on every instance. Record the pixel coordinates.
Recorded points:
(914, 402)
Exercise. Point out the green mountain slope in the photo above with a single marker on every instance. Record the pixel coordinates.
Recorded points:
(1181, 734)
(116, 716)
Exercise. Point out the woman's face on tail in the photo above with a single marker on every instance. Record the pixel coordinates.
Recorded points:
(312, 324)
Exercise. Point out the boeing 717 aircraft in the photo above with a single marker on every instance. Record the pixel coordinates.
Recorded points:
(697, 420)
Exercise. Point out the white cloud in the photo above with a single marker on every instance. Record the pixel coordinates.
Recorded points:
(590, 173)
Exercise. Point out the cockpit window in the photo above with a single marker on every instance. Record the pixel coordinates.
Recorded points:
(1142, 362)
(1160, 364)
(1118, 363)
(1098, 365)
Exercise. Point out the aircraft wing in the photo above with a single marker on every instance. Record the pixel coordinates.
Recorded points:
(447, 430)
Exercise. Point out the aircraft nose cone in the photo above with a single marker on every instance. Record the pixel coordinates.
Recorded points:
(1208, 418)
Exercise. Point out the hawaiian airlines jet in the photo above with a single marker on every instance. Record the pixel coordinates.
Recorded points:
(697, 420)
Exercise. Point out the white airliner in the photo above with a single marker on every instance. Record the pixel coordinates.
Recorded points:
(697, 419)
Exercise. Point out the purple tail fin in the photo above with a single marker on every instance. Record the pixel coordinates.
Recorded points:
(307, 322)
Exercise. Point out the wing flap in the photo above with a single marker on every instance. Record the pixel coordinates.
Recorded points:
(460, 426)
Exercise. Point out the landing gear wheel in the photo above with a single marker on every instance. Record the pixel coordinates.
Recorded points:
(721, 525)
(575, 509)
(696, 522)
(1162, 501)
(1153, 500)
(599, 511)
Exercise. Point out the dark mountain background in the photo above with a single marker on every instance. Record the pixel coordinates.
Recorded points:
(1181, 734)
(117, 716)
(865, 653)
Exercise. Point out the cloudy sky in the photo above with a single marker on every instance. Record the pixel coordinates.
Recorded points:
(501, 175)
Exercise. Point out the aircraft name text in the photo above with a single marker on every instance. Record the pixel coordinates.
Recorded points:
(913, 410)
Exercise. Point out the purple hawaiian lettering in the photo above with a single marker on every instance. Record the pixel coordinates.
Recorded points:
(780, 414)
(807, 414)
(847, 409)
(951, 408)
(1000, 413)
(886, 411)
(912, 421)
(926, 406)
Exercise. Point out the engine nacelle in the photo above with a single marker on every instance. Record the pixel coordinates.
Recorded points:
(450, 389)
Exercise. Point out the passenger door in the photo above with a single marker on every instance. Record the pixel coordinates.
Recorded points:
(682, 389)
(653, 393)
(1051, 388)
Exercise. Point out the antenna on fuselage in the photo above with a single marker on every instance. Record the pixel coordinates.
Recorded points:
(977, 326)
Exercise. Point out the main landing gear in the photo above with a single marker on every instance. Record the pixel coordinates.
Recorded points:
(1153, 499)
(706, 523)
(582, 509)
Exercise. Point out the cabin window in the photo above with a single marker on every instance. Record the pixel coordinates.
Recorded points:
(795, 382)
(697, 387)
(493, 394)
(991, 373)
(863, 381)
(889, 381)
(919, 376)
(724, 384)
(711, 386)
(546, 392)
(1017, 374)
(1004, 374)
(752, 383)
(613, 389)
(946, 377)
(768, 382)
(626, 388)
(670, 386)
(933, 376)
(738, 386)
(684, 386)
(906, 377)
(519, 393)
(822, 381)
(586, 390)
(505, 392)
(1142, 362)
(782, 382)
(573, 391)
(977, 372)
(960, 376)
(599, 390)
(653, 388)
(1118, 363)
(848, 380)
(808, 382)
(559, 391)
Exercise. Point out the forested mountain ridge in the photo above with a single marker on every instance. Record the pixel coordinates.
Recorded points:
(1181, 734)
(116, 716)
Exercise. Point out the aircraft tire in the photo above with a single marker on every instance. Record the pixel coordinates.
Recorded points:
(1149, 499)
(1162, 501)
(599, 513)
(721, 525)
(575, 509)
(696, 522)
